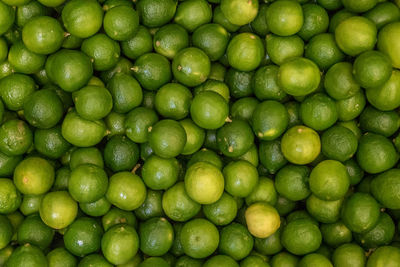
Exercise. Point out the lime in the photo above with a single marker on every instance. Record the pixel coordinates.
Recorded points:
(241, 178)
(173, 101)
(10, 198)
(212, 39)
(167, 138)
(387, 96)
(177, 204)
(339, 81)
(300, 145)
(58, 209)
(122, 66)
(314, 259)
(221, 19)
(292, 182)
(384, 256)
(156, 236)
(140, 44)
(283, 48)
(262, 219)
(50, 143)
(82, 19)
(376, 153)
(15, 89)
(7, 17)
(359, 6)
(383, 13)
(239, 12)
(316, 21)
(239, 82)
(209, 110)
(243, 108)
(155, 13)
(89, 155)
(159, 173)
(6, 231)
(265, 84)
(339, 143)
(206, 155)
(191, 66)
(221, 260)
(360, 212)
(385, 123)
(63, 175)
(259, 23)
(61, 257)
(318, 111)
(223, 211)
(335, 234)
(121, 154)
(264, 191)
(195, 137)
(193, 13)
(116, 216)
(199, 238)
(152, 71)
(285, 17)
(235, 241)
(245, 52)
(235, 138)
(384, 188)
(33, 231)
(325, 211)
(356, 35)
(350, 108)
(301, 237)
(120, 243)
(299, 76)
(24, 60)
(186, 261)
(126, 191)
(82, 132)
(271, 156)
(27, 255)
(97, 208)
(270, 245)
(121, 23)
(387, 42)
(94, 259)
(204, 183)
(170, 39)
(284, 259)
(151, 207)
(138, 122)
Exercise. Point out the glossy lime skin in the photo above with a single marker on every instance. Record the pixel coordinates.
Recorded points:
(121, 23)
(235, 138)
(137, 123)
(159, 173)
(15, 137)
(7, 18)
(23, 60)
(173, 101)
(15, 90)
(93, 102)
(10, 197)
(27, 255)
(156, 236)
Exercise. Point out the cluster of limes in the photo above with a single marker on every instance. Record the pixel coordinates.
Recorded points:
(219, 133)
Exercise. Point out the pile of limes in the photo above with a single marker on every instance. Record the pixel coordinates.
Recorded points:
(219, 133)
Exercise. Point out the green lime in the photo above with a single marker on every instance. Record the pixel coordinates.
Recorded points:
(33, 231)
(103, 50)
(299, 76)
(154, 261)
(209, 110)
(360, 212)
(335, 234)
(318, 111)
(356, 35)
(7, 17)
(204, 183)
(173, 101)
(121, 154)
(243, 108)
(285, 18)
(271, 156)
(283, 48)
(245, 52)
(325, 211)
(241, 178)
(339, 143)
(82, 19)
(284, 259)
(264, 191)
(355, 172)
(382, 234)
(293, 109)
(384, 256)
(262, 219)
(61, 257)
(50, 142)
(194, 136)
(15, 137)
(221, 19)
(122, 66)
(387, 42)
(323, 50)
(339, 81)
(115, 123)
(259, 23)
(265, 84)
(97, 208)
(385, 123)
(170, 39)
(221, 260)
(384, 188)
(239, 12)
(314, 259)
(43, 35)
(121, 23)
(89, 155)
(206, 155)
(6, 231)
(15, 89)
(167, 138)
(350, 108)
(300, 214)
(199, 238)
(83, 236)
(349, 255)
(62, 178)
(186, 261)
(10, 198)
(69, 69)
(120, 243)
(87, 183)
(151, 207)
(383, 13)
(34, 176)
(156, 236)
(235, 138)
(316, 21)
(82, 132)
(43, 109)
(71, 41)
(126, 191)
(270, 245)
(387, 96)
(58, 209)
(137, 123)
(359, 6)
(300, 145)
(177, 204)
(212, 39)
(140, 44)
(23, 60)
(116, 216)
(94, 260)
(240, 83)
(159, 173)
(192, 14)
(223, 211)
(301, 237)
(191, 66)
(235, 241)
(155, 13)
(376, 153)
(284, 205)
(126, 92)
(152, 71)
(292, 182)
(27, 255)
